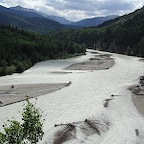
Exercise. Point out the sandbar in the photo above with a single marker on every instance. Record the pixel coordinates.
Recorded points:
(98, 62)
(15, 93)
(138, 95)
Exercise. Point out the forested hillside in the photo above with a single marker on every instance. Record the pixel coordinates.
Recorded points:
(123, 35)
(19, 49)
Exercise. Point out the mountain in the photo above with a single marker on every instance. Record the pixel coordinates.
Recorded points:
(19, 8)
(51, 17)
(3, 9)
(28, 20)
(26, 14)
(93, 21)
(83, 23)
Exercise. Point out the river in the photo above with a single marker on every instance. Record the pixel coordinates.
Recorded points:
(83, 99)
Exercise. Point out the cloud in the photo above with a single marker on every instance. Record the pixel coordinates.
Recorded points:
(79, 9)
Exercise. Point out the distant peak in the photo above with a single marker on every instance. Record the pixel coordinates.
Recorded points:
(18, 6)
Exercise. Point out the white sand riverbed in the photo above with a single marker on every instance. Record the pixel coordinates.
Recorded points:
(84, 99)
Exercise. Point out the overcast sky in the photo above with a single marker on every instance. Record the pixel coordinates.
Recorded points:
(78, 9)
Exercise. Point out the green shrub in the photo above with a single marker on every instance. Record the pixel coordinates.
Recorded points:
(29, 131)
(13, 133)
(32, 126)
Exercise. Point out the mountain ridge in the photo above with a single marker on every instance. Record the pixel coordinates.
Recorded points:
(61, 20)
(20, 8)
(94, 21)
(23, 20)
(82, 23)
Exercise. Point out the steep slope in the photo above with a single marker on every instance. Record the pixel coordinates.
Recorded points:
(28, 20)
(26, 14)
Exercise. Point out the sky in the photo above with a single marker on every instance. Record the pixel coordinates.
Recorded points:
(75, 10)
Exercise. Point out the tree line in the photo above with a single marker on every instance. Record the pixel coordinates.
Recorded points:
(20, 49)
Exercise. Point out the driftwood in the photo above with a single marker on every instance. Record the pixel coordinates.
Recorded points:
(137, 132)
(106, 102)
(94, 59)
(88, 128)
(73, 123)
(12, 86)
(135, 89)
(65, 134)
(68, 83)
(114, 95)
(93, 126)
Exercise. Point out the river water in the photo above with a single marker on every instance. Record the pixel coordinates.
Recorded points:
(83, 99)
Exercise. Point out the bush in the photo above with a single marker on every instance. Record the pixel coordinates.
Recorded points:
(32, 126)
(13, 133)
(29, 131)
